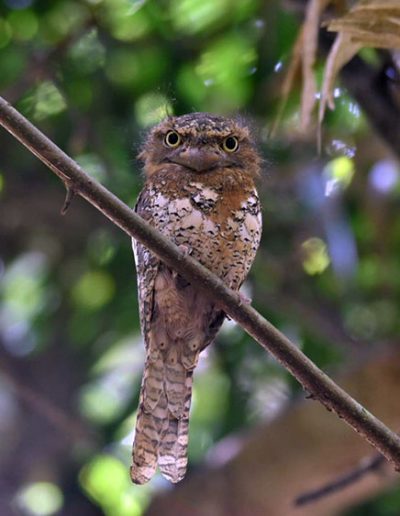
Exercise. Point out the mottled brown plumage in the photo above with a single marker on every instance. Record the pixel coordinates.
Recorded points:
(200, 193)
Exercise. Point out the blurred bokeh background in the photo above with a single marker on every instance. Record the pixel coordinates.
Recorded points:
(94, 75)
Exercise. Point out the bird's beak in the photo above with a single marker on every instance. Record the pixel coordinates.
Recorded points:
(197, 159)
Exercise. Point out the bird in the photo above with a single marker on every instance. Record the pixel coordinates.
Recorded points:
(200, 171)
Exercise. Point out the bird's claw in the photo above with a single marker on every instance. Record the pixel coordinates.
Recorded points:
(243, 299)
(185, 249)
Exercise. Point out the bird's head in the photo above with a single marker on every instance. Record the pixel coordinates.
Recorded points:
(202, 143)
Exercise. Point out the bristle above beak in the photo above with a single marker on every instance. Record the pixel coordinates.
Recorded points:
(197, 159)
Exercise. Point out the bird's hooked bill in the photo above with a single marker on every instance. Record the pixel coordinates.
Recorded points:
(197, 159)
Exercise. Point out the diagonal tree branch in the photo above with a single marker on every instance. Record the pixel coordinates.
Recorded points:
(313, 380)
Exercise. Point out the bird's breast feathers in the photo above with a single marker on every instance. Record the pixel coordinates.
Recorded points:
(220, 227)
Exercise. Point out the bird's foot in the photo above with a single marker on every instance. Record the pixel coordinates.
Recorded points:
(243, 299)
(185, 249)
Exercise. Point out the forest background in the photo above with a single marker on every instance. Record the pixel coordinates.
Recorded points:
(94, 75)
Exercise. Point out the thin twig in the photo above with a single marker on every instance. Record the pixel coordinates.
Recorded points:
(314, 381)
(370, 465)
(70, 194)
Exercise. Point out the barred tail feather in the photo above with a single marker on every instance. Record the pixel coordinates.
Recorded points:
(172, 453)
(162, 424)
(150, 422)
(144, 453)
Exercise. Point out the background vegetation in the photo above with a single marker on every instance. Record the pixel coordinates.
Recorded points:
(94, 75)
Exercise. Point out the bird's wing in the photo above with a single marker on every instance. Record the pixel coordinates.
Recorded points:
(147, 265)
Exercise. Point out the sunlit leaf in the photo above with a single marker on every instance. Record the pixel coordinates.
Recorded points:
(315, 256)
(88, 53)
(106, 481)
(226, 60)
(151, 108)
(40, 499)
(224, 68)
(24, 24)
(46, 100)
(338, 174)
(93, 290)
(196, 15)
(22, 287)
(125, 19)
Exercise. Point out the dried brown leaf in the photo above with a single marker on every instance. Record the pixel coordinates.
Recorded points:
(370, 23)
(293, 69)
(366, 39)
(303, 56)
(310, 44)
(376, 4)
(341, 52)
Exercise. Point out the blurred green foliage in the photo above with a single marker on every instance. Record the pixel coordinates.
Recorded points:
(94, 75)
(40, 499)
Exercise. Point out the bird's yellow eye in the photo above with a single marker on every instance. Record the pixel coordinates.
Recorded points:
(230, 144)
(172, 139)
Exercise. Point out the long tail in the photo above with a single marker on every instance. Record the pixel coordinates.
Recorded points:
(162, 424)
